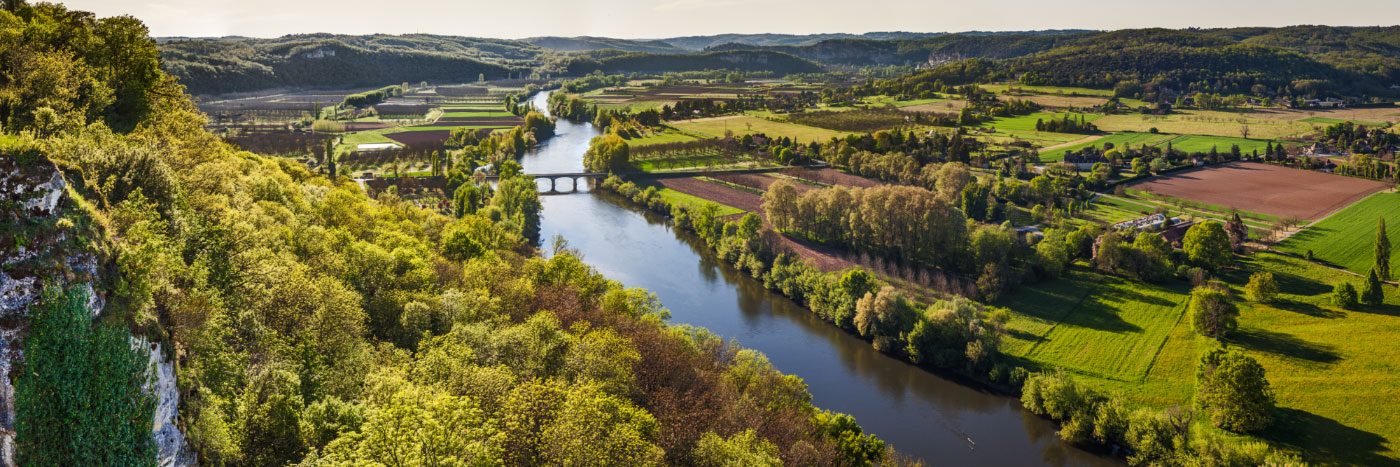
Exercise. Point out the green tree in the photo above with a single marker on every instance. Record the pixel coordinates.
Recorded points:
(1261, 287)
(1207, 245)
(1344, 295)
(1371, 291)
(1213, 314)
(744, 449)
(79, 398)
(1382, 252)
(607, 153)
(856, 449)
(1232, 390)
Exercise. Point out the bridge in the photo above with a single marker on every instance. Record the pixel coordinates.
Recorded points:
(554, 177)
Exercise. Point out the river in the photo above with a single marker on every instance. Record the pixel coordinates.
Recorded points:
(920, 413)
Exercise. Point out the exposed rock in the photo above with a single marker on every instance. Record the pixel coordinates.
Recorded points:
(171, 448)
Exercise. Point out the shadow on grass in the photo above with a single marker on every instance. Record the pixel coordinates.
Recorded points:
(1324, 439)
(1306, 308)
(1283, 345)
(1023, 335)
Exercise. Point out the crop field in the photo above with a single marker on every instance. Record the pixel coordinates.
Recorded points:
(830, 176)
(1346, 239)
(1331, 121)
(743, 124)
(883, 100)
(1050, 100)
(948, 106)
(1027, 122)
(1093, 324)
(1262, 188)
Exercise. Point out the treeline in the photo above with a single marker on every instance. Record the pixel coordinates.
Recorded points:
(220, 66)
(369, 98)
(744, 61)
(870, 120)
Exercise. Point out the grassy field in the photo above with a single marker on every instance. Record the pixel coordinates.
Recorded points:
(1335, 373)
(1027, 122)
(1118, 140)
(1210, 123)
(744, 124)
(883, 100)
(669, 136)
(1332, 121)
(1093, 324)
(1347, 238)
(1193, 143)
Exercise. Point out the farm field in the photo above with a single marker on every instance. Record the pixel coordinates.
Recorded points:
(1117, 139)
(744, 124)
(829, 176)
(1262, 188)
(1061, 90)
(1209, 123)
(1093, 324)
(1346, 238)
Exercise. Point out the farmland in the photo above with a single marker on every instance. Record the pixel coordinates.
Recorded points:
(743, 124)
(1267, 189)
(1346, 238)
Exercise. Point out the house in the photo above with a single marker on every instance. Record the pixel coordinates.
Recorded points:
(1176, 233)
(1144, 223)
(1084, 161)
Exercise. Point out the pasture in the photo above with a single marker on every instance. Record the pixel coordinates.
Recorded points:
(1117, 140)
(1346, 239)
(1210, 123)
(1268, 189)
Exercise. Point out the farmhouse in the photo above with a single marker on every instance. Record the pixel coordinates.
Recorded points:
(1145, 223)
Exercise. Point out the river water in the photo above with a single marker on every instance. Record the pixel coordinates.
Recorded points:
(922, 414)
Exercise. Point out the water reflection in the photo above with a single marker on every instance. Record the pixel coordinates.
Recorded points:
(920, 413)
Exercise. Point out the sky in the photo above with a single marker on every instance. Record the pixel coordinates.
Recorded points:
(671, 18)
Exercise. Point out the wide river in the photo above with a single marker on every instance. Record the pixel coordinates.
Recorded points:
(922, 414)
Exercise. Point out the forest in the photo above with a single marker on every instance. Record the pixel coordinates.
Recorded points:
(314, 325)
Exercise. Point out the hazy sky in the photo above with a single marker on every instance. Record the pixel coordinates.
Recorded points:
(669, 18)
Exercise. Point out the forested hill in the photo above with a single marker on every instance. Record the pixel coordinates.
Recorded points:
(215, 66)
(743, 60)
(584, 43)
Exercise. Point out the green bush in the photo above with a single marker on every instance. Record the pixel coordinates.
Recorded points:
(79, 398)
(1344, 295)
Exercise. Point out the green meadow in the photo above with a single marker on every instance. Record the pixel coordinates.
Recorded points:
(1347, 238)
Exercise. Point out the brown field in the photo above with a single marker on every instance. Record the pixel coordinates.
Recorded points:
(420, 138)
(1267, 189)
(715, 192)
(832, 177)
(364, 126)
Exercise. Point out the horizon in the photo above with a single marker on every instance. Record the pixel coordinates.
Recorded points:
(642, 20)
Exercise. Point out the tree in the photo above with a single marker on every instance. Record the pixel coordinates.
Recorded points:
(1213, 314)
(1371, 291)
(1344, 295)
(1238, 231)
(1261, 287)
(607, 153)
(1232, 390)
(1382, 268)
(741, 450)
(1207, 245)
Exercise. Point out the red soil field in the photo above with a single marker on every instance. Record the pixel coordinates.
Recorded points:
(1263, 188)
(420, 138)
(832, 177)
(825, 259)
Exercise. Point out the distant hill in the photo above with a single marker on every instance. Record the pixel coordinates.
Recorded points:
(864, 52)
(224, 65)
(705, 42)
(585, 43)
(743, 60)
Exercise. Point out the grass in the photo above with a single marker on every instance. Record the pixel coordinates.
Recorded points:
(1027, 122)
(676, 198)
(1118, 140)
(661, 138)
(745, 124)
(883, 100)
(1093, 324)
(1208, 123)
(1333, 121)
(1347, 238)
(1193, 143)
(476, 113)
(1335, 373)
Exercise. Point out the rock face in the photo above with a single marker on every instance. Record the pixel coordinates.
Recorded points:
(34, 190)
(171, 448)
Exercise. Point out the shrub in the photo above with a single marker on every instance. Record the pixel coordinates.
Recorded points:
(1261, 287)
(1371, 291)
(79, 398)
(1344, 295)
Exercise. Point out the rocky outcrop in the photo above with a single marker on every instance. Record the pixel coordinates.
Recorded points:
(31, 194)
